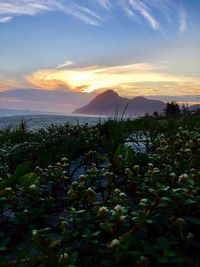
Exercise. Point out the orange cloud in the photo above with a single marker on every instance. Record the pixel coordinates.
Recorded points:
(9, 84)
(133, 79)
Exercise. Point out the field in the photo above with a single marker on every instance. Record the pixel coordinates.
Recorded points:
(119, 193)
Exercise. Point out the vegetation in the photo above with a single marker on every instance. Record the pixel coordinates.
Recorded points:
(172, 108)
(119, 193)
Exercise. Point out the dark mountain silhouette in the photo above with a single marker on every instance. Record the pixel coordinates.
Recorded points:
(110, 103)
(194, 107)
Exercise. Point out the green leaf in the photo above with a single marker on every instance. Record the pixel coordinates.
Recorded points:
(3, 184)
(129, 157)
(74, 257)
(136, 253)
(97, 233)
(193, 220)
(190, 201)
(149, 250)
(28, 180)
(106, 263)
(170, 253)
(162, 242)
(121, 150)
(75, 233)
(21, 170)
(166, 199)
(177, 260)
(107, 227)
(4, 243)
(163, 260)
(55, 243)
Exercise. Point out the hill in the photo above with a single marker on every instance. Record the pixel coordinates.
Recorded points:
(194, 107)
(110, 103)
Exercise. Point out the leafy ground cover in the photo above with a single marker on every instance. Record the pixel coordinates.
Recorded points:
(84, 196)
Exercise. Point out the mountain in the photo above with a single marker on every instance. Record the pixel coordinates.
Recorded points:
(194, 107)
(110, 103)
(5, 112)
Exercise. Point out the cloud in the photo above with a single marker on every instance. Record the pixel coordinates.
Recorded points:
(82, 12)
(5, 19)
(14, 8)
(67, 63)
(183, 21)
(9, 84)
(46, 100)
(189, 99)
(144, 11)
(132, 79)
(105, 3)
(159, 14)
(64, 89)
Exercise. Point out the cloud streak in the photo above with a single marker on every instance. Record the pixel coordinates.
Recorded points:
(156, 13)
(105, 3)
(5, 19)
(144, 11)
(183, 21)
(46, 100)
(9, 84)
(14, 8)
(132, 79)
(66, 64)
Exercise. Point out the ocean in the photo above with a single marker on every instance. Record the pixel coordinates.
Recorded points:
(35, 122)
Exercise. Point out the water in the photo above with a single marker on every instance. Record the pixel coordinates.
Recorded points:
(42, 121)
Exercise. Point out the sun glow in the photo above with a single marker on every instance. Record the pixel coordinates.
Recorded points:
(125, 78)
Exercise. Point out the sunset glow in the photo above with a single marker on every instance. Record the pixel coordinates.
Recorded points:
(122, 78)
(82, 48)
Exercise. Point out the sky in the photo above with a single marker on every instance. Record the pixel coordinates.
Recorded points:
(56, 55)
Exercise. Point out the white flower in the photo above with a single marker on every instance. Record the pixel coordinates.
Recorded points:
(35, 232)
(156, 170)
(187, 150)
(143, 202)
(114, 243)
(123, 195)
(8, 189)
(150, 165)
(32, 187)
(136, 167)
(118, 208)
(64, 159)
(190, 236)
(117, 191)
(180, 221)
(183, 177)
(90, 191)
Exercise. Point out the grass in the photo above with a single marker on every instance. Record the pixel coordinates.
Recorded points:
(122, 208)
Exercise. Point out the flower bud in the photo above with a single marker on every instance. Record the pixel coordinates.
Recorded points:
(103, 212)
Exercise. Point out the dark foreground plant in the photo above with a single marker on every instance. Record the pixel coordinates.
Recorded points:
(109, 206)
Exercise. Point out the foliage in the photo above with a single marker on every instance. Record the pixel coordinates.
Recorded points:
(172, 108)
(83, 196)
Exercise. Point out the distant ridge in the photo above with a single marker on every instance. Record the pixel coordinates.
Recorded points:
(6, 112)
(194, 107)
(110, 103)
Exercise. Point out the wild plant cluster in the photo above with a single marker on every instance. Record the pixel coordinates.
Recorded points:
(120, 193)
